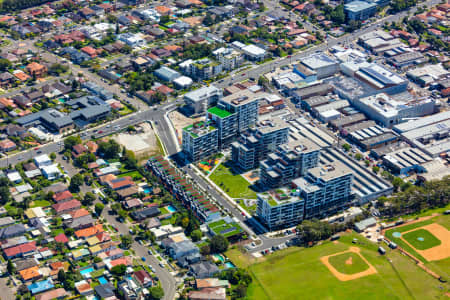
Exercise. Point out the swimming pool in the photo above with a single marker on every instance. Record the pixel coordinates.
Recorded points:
(229, 265)
(148, 190)
(102, 280)
(171, 209)
(219, 257)
(86, 273)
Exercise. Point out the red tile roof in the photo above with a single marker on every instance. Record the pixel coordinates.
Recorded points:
(61, 238)
(20, 249)
(65, 195)
(60, 207)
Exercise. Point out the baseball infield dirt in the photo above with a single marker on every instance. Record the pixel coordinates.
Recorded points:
(436, 253)
(346, 277)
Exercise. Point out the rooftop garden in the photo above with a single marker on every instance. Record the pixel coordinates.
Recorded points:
(226, 229)
(221, 113)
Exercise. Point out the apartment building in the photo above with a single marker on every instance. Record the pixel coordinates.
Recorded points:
(280, 208)
(289, 161)
(256, 144)
(199, 100)
(200, 140)
(325, 189)
(245, 104)
(226, 123)
(229, 58)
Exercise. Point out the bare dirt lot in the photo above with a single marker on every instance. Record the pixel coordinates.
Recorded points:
(180, 121)
(346, 277)
(143, 143)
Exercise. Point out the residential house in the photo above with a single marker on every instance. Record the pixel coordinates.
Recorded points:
(36, 70)
(203, 269)
(7, 145)
(65, 207)
(12, 231)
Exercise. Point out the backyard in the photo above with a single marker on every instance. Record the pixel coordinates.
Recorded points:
(233, 184)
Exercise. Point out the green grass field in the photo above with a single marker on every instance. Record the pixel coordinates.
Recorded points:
(442, 267)
(234, 185)
(292, 272)
(414, 238)
(40, 203)
(339, 262)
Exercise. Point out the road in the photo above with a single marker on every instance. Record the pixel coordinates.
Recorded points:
(328, 43)
(168, 282)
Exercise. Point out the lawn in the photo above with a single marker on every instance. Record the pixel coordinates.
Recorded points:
(348, 263)
(304, 274)
(40, 203)
(421, 239)
(133, 174)
(234, 185)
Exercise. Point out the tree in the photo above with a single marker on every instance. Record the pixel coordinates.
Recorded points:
(262, 81)
(52, 156)
(10, 267)
(397, 182)
(208, 20)
(218, 244)
(109, 149)
(196, 235)
(72, 141)
(156, 293)
(358, 156)
(346, 147)
(205, 250)
(61, 275)
(129, 159)
(88, 199)
(164, 19)
(75, 182)
(4, 64)
(58, 69)
(126, 241)
(375, 169)
(337, 15)
(119, 270)
(99, 208)
(5, 194)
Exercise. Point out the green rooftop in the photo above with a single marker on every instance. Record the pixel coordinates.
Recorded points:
(226, 229)
(219, 112)
(199, 128)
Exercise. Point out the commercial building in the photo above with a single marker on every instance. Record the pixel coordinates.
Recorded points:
(422, 122)
(428, 74)
(254, 145)
(253, 52)
(280, 208)
(407, 59)
(392, 110)
(200, 140)
(319, 64)
(325, 189)
(50, 118)
(167, 74)
(245, 104)
(199, 100)
(360, 10)
(225, 122)
(290, 161)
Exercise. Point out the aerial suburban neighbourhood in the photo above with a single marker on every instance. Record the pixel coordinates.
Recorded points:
(217, 150)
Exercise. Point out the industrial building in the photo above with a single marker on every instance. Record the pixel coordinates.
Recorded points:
(392, 110)
(254, 145)
(405, 160)
(319, 64)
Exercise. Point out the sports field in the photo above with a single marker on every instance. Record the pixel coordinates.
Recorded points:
(233, 184)
(298, 271)
(421, 239)
(348, 263)
(436, 258)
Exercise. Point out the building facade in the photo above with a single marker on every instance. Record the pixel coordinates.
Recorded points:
(200, 140)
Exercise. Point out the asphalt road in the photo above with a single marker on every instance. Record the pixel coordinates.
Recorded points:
(168, 282)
